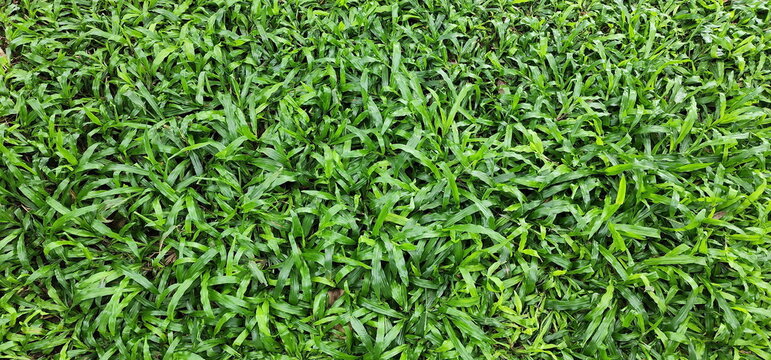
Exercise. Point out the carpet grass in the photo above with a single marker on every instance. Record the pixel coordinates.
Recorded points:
(401, 179)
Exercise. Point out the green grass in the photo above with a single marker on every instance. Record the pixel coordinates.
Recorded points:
(467, 179)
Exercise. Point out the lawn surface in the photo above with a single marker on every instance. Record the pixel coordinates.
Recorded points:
(342, 179)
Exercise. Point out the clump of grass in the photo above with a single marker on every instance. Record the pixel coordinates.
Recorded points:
(212, 179)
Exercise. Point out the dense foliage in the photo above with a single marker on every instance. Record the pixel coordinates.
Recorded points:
(414, 179)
